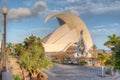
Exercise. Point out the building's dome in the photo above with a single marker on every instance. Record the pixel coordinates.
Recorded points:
(67, 34)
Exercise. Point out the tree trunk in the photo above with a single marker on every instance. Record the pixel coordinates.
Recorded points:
(33, 78)
(112, 71)
(33, 75)
(102, 72)
(43, 77)
(22, 72)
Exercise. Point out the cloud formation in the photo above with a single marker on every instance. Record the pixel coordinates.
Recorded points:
(85, 6)
(37, 10)
(106, 29)
(78, 7)
(19, 13)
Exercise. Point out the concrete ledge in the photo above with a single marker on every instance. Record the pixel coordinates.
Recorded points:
(7, 76)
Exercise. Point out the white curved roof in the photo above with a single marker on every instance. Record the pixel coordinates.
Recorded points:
(67, 34)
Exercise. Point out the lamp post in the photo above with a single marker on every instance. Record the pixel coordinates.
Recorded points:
(6, 75)
(4, 11)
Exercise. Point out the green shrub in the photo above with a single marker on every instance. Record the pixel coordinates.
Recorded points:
(83, 62)
(16, 77)
(56, 60)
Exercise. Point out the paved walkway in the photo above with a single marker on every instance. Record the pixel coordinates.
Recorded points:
(77, 72)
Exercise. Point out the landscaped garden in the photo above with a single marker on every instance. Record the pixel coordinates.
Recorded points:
(31, 57)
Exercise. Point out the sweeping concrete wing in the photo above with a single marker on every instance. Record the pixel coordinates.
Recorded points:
(67, 33)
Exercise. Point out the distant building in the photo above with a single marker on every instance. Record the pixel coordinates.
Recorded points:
(109, 52)
(67, 35)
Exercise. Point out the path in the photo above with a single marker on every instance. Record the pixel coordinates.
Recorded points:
(77, 72)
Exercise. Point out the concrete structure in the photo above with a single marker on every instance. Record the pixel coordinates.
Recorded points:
(67, 34)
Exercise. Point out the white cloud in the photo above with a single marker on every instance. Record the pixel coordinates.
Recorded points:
(99, 30)
(19, 13)
(75, 6)
(103, 8)
(115, 25)
(106, 29)
(39, 8)
(75, 12)
(100, 26)
(72, 1)
(84, 6)
(40, 3)
(28, 2)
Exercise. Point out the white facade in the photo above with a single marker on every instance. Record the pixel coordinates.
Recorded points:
(67, 34)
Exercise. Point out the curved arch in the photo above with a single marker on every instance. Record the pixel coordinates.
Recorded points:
(73, 23)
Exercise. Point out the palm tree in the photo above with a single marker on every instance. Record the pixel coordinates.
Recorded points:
(94, 47)
(33, 57)
(102, 57)
(113, 43)
(110, 63)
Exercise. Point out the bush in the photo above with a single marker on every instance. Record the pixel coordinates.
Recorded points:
(56, 60)
(117, 60)
(16, 77)
(83, 62)
(61, 58)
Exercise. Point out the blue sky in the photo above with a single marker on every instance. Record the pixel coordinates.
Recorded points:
(26, 17)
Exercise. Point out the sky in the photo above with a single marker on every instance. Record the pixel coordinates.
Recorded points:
(26, 17)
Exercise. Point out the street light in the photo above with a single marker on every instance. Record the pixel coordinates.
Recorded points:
(6, 75)
(4, 11)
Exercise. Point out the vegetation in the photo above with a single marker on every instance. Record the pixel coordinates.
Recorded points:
(102, 57)
(83, 62)
(61, 58)
(32, 58)
(16, 77)
(111, 61)
(65, 58)
(31, 55)
(114, 44)
(94, 47)
(56, 60)
(94, 54)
